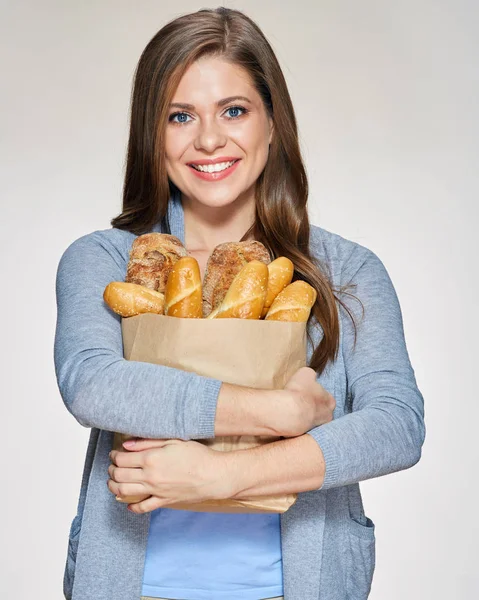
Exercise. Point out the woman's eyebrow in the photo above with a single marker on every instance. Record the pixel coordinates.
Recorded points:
(219, 103)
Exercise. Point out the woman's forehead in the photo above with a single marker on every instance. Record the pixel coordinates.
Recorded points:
(210, 80)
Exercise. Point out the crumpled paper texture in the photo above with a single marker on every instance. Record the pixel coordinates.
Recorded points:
(249, 352)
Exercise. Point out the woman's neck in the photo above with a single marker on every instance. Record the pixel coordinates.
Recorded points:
(206, 227)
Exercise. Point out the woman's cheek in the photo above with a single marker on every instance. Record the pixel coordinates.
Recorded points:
(177, 143)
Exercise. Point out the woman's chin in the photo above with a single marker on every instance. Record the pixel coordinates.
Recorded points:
(215, 199)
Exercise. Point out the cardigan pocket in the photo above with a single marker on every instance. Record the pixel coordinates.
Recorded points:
(362, 556)
(73, 538)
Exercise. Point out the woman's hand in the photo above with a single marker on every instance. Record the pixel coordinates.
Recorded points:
(169, 471)
(310, 404)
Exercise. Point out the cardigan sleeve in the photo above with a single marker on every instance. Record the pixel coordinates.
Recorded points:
(384, 430)
(98, 386)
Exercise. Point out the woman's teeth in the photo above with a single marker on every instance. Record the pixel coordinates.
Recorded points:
(213, 168)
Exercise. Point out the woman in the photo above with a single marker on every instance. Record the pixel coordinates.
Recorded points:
(209, 90)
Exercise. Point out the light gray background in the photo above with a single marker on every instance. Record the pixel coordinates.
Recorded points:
(386, 95)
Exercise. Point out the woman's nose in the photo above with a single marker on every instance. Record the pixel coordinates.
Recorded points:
(210, 136)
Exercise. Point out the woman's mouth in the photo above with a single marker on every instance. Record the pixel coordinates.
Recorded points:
(216, 171)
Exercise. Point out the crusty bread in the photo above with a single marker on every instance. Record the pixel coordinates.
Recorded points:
(224, 263)
(152, 257)
(246, 294)
(294, 303)
(183, 290)
(280, 274)
(130, 299)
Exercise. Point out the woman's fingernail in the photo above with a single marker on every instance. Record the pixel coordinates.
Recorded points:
(129, 443)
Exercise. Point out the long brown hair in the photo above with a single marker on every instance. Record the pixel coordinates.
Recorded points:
(282, 223)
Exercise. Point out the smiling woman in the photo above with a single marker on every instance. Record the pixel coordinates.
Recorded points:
(216, 138)
(213, 157)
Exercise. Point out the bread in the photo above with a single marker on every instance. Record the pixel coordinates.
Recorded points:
(280, 274)
(246, 295)
(183, 290)
(294, 303)
(162, 278)
(224, 263)
(129, 299)
(152, 256)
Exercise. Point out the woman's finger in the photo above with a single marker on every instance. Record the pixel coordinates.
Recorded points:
(121, 458)
(143, 444)
(151, 503)
(126, 489)
(120, 474)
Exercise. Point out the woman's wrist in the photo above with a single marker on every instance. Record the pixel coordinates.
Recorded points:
(281, 467)
(243, 410)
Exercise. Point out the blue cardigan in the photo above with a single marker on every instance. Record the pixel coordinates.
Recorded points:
(328, 543)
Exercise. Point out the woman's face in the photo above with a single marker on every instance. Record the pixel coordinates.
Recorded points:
(216, 128)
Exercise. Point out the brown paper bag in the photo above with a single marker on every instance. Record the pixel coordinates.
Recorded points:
(249, 352)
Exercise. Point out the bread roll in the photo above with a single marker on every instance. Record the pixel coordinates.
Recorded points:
(280, 274)
(130, 299)
(246, 295)
(294, 303)
(183, 290)
(224, 263)
(152, 256)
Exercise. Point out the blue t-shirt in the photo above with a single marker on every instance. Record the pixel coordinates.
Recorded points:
(213, 556)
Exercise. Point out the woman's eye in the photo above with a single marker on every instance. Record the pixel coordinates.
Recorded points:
(234, 110)
(181, 118)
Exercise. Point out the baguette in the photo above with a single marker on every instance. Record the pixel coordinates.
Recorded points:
(294, 303)
(183, 296)
(280, 274)
(152, 257)
(130, 299)
(246, 295)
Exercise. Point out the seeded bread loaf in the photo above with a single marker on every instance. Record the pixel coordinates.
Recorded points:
(152, 257)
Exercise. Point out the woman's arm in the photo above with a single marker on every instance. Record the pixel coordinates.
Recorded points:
(243, 410)
(283, 467)
(98, 386)
(384, 432)
(101, 389)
